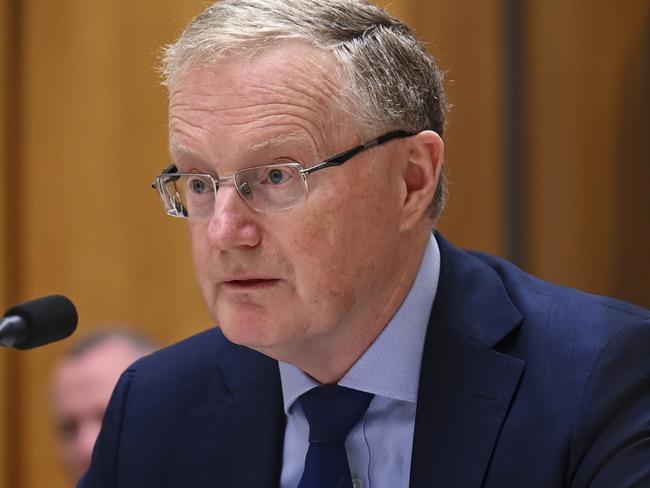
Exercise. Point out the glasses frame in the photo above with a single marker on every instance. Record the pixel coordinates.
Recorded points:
(336, 160)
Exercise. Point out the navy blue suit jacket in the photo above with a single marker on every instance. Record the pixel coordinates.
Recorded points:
(523, 384)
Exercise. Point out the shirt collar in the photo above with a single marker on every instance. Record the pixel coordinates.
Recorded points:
(390, 367)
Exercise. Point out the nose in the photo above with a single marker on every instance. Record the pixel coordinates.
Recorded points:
(233, 223)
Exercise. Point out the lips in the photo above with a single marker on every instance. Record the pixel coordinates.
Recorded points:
(250, 283)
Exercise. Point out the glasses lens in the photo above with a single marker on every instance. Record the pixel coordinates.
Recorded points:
(272, 187)
(187, 195)
(167, 186)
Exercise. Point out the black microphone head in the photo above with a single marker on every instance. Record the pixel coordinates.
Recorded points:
(50, 318)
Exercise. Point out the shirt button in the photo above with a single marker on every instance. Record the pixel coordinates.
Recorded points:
(356, 483)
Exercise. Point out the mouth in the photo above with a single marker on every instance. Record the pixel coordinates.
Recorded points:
(250, 284)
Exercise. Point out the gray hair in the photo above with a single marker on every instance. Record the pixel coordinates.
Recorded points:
(390, 80)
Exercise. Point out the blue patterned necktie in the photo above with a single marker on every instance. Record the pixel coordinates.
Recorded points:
(331, 411)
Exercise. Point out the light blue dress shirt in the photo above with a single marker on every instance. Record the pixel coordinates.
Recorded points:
(379, 447)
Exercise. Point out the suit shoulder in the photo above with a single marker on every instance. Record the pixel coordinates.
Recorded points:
(563, 327)
(198, 351)
(562, 302)
(205, 359)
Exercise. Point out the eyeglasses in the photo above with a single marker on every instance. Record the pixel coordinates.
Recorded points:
(265, 188)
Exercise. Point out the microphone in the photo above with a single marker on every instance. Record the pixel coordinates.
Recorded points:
(38, 322)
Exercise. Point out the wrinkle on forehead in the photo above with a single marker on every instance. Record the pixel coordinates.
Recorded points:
(293, 87)
(295, 137)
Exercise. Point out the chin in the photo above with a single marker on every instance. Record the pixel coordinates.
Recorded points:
(249, 328)
(257, 340)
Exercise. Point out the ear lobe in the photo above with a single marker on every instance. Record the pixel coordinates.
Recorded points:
(420, 175)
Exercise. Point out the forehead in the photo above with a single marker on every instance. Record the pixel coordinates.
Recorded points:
(285, 94)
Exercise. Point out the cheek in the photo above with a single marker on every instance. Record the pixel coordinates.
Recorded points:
(349, 237)
(332, 254)
(201, 257)
(355, 228)
(200, 250)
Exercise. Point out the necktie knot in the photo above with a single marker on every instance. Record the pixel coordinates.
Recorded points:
(332, 411)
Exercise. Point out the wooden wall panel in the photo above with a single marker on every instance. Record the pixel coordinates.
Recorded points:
(8, 405)
(4, 399)
(588, 144)
(5, 42)
(631, 136)
(467, 41)
(94, 136)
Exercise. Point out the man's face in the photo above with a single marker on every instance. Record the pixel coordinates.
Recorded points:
(311, 278)
(82, 387)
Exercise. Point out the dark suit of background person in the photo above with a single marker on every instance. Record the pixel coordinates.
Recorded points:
(522, 383)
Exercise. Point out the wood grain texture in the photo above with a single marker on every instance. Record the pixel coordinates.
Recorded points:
(467, 42)
(10, 400)
(4, 399)
(94, 136)
(588, 113)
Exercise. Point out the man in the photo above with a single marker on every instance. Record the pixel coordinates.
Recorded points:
(82, 383)
(355, 346)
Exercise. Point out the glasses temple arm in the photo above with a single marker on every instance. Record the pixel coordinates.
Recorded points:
(341, 158)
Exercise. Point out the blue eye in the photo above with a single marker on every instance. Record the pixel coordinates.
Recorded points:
(198, 186)
(277, 176)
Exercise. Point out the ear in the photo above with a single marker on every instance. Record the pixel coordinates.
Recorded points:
(420, 174)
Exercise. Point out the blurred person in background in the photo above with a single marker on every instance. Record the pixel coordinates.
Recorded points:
(82, 383)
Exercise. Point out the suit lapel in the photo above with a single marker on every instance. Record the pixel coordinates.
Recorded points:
(466, 386)
(235, 439)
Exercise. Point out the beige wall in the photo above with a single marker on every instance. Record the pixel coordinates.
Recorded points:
(82, 133)
(589, 122)
(8, 401)
(467, 42)
(91, 135)
(4, 440)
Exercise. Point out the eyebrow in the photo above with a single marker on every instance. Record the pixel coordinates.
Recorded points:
(280, 140)
(179, 152)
